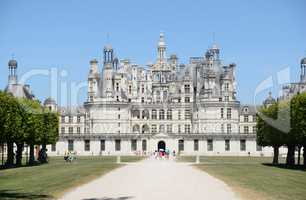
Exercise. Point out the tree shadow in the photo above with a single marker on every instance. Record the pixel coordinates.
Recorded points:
(11, 194)
(284, 166)
(109, 198)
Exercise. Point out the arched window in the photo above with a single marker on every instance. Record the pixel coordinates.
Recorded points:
(161, 114)
(144, 145)
(136, 113)
(145, 114)
(145, 129)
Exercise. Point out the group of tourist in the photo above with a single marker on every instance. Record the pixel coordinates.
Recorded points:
(163, 154)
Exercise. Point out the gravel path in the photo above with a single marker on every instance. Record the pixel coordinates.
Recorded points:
(154, 180)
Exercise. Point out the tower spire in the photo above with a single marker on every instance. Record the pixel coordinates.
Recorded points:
(161, 49)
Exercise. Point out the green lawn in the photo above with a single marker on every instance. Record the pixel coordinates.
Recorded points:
(253, 180)
(51, 180)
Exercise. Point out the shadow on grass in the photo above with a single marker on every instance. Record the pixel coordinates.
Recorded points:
(4, 167)
(109, 198)
(11, 194)
(284, 166)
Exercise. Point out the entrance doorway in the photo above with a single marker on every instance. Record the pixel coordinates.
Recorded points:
(161, 145)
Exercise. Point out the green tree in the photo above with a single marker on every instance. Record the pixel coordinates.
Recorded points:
(10, 123)
(298, 117)
(267, 133)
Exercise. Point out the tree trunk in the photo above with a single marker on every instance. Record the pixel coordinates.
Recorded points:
(290, 160)
(275, 155)
(299, 155)
(19, 154)
(31, 156)
(10, 154)
(2, 154)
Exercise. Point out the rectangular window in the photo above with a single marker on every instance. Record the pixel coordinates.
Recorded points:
(246, 118)
(119, 116)
(63, 130)
(229, 113)
(78, 130)
(63, 119)
(187, 114)
(134, 145)
(79, 119)
(187, 128)
(179, 128)
(222, 128)
(169, 128)
(196, 145)
(246, 129)
(154, 128)
(227, 145)
(181, 145)
(169, 114)
(179, 114)
(226, 98)
(242, 145)
(70, 145)
(226, 87)
(117, 145)
(210, 145)
(187, 88)
(222, 113)
(102, 145)
(254, 129)
(144, 145)
(228, 128)
(187, 100)
(70, 119)
(154, 114)
(87, 145)
(70, 130)
(53, 147)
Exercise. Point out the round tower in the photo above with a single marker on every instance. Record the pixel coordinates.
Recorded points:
(12, 65)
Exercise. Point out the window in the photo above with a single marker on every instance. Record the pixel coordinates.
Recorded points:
(196, 145)
(154, 115)
(78, 130)
(70, 145)
(210, 145)
(63, 130)
(169, 128)
(70, 119)
(161, 114)
(187, 88)
(181, 145)
(227, 145)
(63, 119)
(169, 114)
(102, 145)
(187, 114)
(246, 129)
(246, 118)
(179, 128)
(254, 129)
(222, 128)
(134, 145)
(117, 87)
(254, 118)
(226, 87)
(187, 99)
(228, 128)
(187, 128)
(179, 114)
(242, 145)
(79, 119)
(179, 100)
(119, 116)
(70, 130)
(222, 113)
(142, 89)
(161, 128)
(144, 145)
(117, 145)
(154, 128)
(142, 99)
(53, 147)
(258, 147)
(226, 98)
(229, 113)
(87, 145)
(130, 89)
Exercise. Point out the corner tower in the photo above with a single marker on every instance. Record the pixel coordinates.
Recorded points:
(93, 80)
(107, 85)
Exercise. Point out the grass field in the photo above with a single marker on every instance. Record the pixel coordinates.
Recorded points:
(51, 180)
(253, 179)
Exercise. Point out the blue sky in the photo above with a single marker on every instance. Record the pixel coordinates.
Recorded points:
(261, 37)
